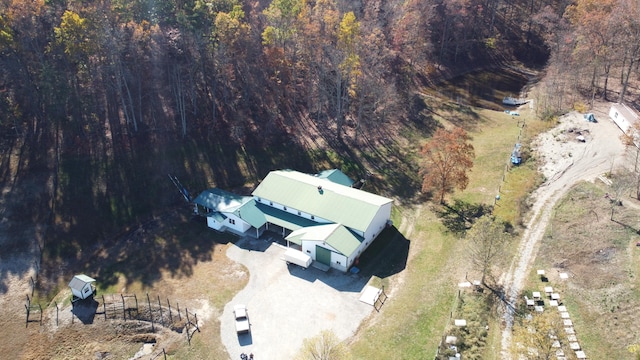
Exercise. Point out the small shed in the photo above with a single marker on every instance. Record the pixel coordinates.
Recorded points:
(82, 286)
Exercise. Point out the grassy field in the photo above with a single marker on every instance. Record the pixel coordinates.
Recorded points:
(420, 300)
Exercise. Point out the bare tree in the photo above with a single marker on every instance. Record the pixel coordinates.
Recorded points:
(621, 183)
(488, 242)
(324, 346)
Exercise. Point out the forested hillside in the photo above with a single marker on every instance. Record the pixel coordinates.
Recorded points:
(76, 73)
(101, 99)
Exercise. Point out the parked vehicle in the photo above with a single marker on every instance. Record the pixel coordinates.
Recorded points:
(242, 319)
(516, 157)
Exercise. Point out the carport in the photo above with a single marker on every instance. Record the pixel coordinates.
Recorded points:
(282, 221)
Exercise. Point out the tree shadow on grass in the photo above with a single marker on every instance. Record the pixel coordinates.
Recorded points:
(386, 256)
(626, 226)
(460, 216)
(172, 244)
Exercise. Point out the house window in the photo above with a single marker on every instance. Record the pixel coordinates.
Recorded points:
(232, 222)
(271, 203)
(308, 251)
(338, 262)
(259, 200)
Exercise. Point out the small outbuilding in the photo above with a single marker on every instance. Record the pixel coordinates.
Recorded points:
(82, 286)
(623, 116)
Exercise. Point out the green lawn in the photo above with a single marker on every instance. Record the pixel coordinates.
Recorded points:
(413, 318)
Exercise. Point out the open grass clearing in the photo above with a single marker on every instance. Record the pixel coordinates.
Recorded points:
(493, 174)
(420, 300)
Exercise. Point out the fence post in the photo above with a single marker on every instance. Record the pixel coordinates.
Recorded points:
(124, 309)
(104, 307)
(170, 316)
(196, 323)
(40, 307)
(27, 322)
(56, 312)
(33, 285)
(186, 311)
(150, 313)
(164, 353)
(179, 316)
(137, 311)
(160, 307)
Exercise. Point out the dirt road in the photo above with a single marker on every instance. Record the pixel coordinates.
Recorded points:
(565, 162)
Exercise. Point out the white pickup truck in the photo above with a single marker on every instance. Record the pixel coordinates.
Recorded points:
(242, 319)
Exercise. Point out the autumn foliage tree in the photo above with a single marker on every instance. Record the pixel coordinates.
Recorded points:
(448, 157)
(534, 338)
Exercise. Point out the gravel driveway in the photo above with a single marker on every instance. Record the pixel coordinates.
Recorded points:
(287, 304)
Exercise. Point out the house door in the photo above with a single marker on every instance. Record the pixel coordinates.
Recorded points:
(323, 255)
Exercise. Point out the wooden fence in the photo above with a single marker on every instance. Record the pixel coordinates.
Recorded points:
(128, 307)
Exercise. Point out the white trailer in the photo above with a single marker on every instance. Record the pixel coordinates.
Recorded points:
(293, 256)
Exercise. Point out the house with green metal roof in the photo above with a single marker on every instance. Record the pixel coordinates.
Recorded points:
(321, 215)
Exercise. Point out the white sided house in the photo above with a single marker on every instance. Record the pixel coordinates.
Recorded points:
(321, 215)
(222, 210)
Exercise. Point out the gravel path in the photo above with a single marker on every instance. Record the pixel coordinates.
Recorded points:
(566, 162)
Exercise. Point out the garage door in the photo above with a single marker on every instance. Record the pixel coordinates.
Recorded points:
(323, 255)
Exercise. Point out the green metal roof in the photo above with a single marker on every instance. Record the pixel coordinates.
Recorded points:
(336, 176)
(321, 197)
(251, 214)
(285, 219)
(220, 200)
(297, 238)
(336, 235)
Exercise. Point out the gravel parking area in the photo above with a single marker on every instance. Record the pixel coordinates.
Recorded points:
(287, 304)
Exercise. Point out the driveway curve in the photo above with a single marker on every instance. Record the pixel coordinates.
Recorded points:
(287, 304)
